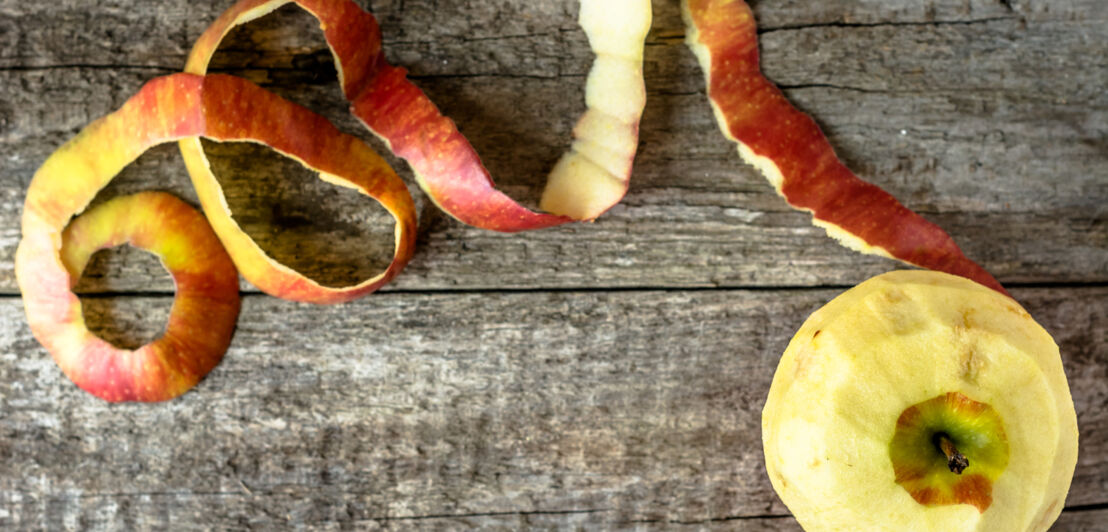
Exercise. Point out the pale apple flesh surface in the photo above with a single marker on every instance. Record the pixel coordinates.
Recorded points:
(892, 342)
(788, 147)
(593, 176)
(590, 179)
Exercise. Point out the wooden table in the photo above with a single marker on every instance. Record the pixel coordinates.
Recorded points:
(596, 376)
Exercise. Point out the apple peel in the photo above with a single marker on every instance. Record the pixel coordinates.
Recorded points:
(300, 134)
(788, 147)
(223, 108)
(588, 180)
(201, 321)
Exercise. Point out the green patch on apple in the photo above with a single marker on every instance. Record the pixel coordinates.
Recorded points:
(949, 450)
(917, 400)
(896, 383)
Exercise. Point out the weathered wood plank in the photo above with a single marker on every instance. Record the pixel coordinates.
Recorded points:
(789, 13)
(642, 406)
(995, 142)
(627, 410)
(121, 32)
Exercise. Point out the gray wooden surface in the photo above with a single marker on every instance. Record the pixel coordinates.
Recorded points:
(596, 376)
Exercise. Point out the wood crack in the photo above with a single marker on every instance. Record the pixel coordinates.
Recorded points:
(711, 519)
(678, 38)
(233, 70)
(802, 86)
(558, 75)
(1086, 507)
(87, 66)
(463, 38)
(481, 514)
(1075, 285)
(890, 24)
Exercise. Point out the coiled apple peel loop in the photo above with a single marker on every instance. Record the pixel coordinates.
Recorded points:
(587, 181)
(204, 310)
(218, 107)
(791, 151)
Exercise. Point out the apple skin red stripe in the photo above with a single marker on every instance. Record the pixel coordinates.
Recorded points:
(754, 112)
(392, 107)
(53, 250)
(397, 111)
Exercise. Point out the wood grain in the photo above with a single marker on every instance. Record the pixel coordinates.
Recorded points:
(637, 405)
(604, 376)
(995, 141)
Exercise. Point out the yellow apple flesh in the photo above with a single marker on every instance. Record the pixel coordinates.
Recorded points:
(893, 343)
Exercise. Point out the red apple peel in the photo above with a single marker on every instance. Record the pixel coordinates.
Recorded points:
(223, 108)
(339, 159)
(590, 179)
(201, 322)
(789, 148)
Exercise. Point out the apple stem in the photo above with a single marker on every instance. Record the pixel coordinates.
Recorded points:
(956, 461)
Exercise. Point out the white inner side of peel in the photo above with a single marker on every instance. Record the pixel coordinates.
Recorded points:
(586, 182)
(764, 164)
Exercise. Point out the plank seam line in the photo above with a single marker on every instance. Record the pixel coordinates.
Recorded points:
(893, 24)
(482, 514)
(427, 77)
(491, 38)
(670, 39)
(713, 519)
(585, 290)
(160, 68)
(1086, 507)
(90, 66)
(1068, 509)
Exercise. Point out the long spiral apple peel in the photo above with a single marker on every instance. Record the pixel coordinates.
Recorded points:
(588, 180)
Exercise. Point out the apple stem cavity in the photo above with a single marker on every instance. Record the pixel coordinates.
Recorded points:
(956, 461)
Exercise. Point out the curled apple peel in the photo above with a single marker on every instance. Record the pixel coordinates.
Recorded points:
(248, 112)
(201, 321)
(222, 108)
(788, 147)
(587, 181)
